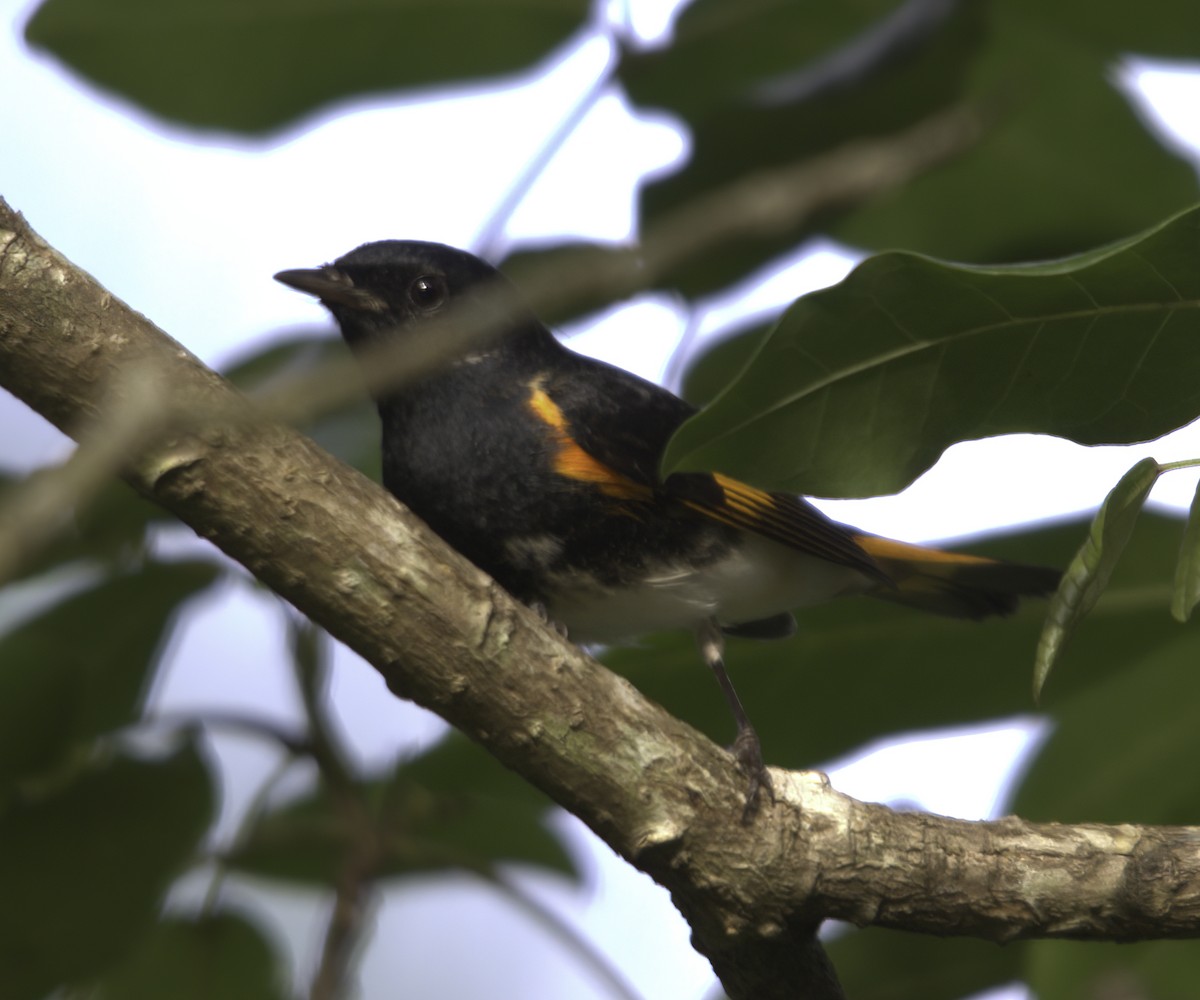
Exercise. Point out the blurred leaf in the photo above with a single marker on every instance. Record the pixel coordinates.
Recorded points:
(738, 128)
(708, 374)
(723, 51)
(84, 867)
(1075, 970)
(218, 957)
(82, 668)
(257, 65)
(1089, 572)
(1067, 164)
(859, 671)
(1187, 572)
(454, 807)
(877, 964)
(351, 433)
(1117, 751)
(457, 766)
(862, 385)
(1070, 164)
(110, 529)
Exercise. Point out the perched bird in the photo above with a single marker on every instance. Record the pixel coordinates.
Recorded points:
(541, 466)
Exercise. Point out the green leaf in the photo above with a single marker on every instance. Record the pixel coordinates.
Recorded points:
(1070, 164)
(728, 55)
(255, 65)
(861, 386)
(1187, 571)
(858, 670)
(82, 668)
(453, 808)
(1075, 970)
(84, 866)
(1118, 746)
(222, 956)
(1066, 164)
(877, 964)
(1089, 572)
(722, 50)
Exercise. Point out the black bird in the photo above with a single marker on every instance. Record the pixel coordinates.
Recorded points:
(542, 467)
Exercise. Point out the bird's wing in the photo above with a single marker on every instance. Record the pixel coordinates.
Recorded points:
(613, 428)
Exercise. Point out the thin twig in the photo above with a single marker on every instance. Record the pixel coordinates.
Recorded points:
(488, 240)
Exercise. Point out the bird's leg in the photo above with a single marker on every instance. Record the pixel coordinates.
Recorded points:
(746, 746)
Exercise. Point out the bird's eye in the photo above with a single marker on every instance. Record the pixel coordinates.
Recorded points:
(428, 292)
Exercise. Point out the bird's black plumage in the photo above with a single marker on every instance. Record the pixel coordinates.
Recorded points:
(542, 467)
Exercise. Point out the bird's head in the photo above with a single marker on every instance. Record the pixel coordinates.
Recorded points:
(392, 288)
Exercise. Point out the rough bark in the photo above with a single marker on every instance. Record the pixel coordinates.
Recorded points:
(444, 635)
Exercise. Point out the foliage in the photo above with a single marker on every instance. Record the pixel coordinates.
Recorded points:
(867, 382)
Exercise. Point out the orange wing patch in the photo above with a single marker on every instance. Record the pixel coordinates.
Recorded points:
(890, 550)
(571, 461)
(785, 519)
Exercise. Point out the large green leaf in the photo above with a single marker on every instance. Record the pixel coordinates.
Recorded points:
(81, 668)
(860, 670)
(254, 65)
(452, 808)
(861, 386)
(84, 865)
(221, 956)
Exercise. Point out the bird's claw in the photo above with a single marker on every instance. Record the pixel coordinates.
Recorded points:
(747, 751)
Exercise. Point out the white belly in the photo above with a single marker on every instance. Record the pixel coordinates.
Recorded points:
(757, 580)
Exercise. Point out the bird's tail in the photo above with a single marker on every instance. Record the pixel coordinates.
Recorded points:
(952, 583)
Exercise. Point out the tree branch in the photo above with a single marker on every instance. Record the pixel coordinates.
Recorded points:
(447, 637)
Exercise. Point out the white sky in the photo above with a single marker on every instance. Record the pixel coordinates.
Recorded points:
(189, 231)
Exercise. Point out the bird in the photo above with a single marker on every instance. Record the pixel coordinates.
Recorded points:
(542, 467)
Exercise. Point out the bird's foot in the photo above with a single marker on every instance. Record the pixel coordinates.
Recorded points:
(544, 614)
(747, 751)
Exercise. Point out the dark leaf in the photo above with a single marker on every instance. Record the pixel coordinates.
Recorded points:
(1116, 751)
(1069, 164)
(452, 808)
(739, 130)
(256, 65)
(1089, 572)
(221, 956)
(1187, 572)
(82, 668)
(861, 386)
(84, 865)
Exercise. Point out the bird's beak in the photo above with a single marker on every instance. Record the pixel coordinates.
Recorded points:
(331, 286)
